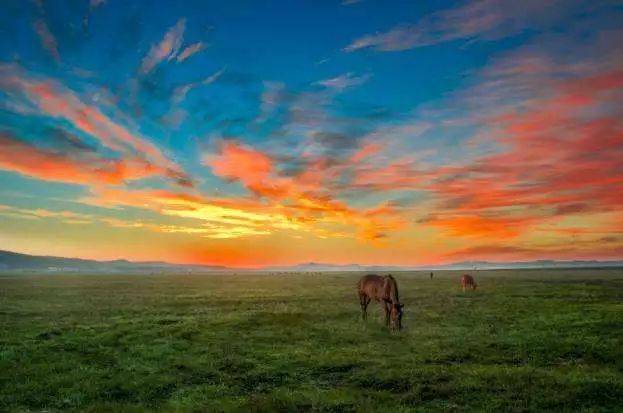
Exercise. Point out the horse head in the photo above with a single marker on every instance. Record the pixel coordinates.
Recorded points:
(396, 315)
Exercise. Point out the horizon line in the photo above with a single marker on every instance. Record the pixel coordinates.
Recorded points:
(285, 266)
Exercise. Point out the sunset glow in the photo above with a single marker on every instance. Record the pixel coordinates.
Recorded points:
(233, 133)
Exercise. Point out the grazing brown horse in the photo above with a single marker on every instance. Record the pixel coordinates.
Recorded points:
(384, 289)
(467, 281)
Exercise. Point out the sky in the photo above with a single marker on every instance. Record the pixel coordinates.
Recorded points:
(251, 133)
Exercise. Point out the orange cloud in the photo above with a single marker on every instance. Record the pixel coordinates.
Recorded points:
(478, 226)
(241, 163)
(54, 100)
(23, 158)
(303, 199)
(563, 155)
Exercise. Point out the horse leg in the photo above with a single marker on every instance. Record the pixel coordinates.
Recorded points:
(361, 304)
(387, 311)
(365, 307)
(363, 300)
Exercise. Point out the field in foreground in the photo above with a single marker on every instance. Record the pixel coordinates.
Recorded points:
(526, 340)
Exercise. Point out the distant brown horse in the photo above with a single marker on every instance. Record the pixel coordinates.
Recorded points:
(384, 289)
(467, 282)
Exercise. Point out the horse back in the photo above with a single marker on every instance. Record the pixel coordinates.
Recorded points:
(373, 286)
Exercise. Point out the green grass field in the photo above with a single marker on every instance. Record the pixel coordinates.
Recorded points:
(525, 341)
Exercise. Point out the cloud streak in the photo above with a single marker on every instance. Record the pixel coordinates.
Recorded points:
(344, 81)
(48, 41)
(480, 18)
(166, 49)
(54, 100)
(67, 217)
(87, 169)
(190, 51)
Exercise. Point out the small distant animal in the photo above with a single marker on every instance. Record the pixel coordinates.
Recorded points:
(467, 282)
(431, 275)
(385, 290)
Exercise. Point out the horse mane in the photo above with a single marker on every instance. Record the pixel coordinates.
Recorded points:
(395, 284)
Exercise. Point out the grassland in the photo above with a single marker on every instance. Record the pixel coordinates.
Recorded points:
(525, 341)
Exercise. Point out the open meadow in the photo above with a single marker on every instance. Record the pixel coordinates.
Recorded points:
(526, 340)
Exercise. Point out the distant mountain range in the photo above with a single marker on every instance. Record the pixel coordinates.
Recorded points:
(13, 261)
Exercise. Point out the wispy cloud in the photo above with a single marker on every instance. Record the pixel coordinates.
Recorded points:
(206, 230)
(177, 114)
(213, 77)
(48, 41)
(68, 217)
(86, 169)
(190, 50)
(54, 100)
(322, 61)
(180, 92)
(211, 218)
(344, 81)
(96, 3)
(214, 229)
(166, 49)
(479, 18)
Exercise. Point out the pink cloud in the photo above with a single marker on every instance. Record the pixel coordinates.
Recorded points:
(167, 48)
(190, 51)
(48, 41)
